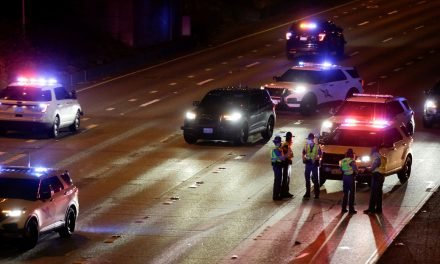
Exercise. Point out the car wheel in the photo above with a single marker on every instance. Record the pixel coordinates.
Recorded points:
(350, 93)
(268, 132)
(69, 224)
(308, 105)
(427, 123)
(31, 234)
(242, 137)
(190, 139)
(55, 129)
(76, 123)
(405, 172)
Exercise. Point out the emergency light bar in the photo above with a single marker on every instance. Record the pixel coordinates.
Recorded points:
(307, 26)
(35, 81)
(374, 95)
(324, 64)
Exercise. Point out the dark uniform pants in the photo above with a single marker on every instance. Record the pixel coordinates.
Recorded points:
(349, 187)
(278, 174)
(286, 178)
(312, 168)
(377, 180)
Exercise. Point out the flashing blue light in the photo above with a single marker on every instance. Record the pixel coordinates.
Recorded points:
(301, 63)
(326, 64)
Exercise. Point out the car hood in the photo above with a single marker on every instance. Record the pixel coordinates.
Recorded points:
(9, 203)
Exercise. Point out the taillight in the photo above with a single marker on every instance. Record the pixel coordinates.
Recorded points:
(321, 36)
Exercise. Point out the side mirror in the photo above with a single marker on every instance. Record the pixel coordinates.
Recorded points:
(196, 103)
(73, 94)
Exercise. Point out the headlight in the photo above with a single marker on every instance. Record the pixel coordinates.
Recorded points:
(430, 104)
(232, 117)
(190, 115)
(365, 158)
(300, 89)
(13, 213)
(327, 124)
(288, 35)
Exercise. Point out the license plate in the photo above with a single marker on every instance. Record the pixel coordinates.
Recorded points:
(303, 38)
(19, 110)
(208, 130)
(336, 171)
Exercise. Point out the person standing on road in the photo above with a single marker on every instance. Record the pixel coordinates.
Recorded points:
(377, 180)
(349, 169)
(311, 155)
(287, 165)
(277, 159)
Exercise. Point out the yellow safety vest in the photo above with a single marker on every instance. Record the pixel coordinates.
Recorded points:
(346, 167)
(275, 158)
(311, 153)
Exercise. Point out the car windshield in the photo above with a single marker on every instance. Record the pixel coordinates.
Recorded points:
(25, 189)
(25, 93)
(363, 109)
(345, 137)
(306, 76)
(225, 100)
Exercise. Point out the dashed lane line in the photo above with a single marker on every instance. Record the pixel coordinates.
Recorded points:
(150, 102)
(205, 81)
(386, 40)
(15, 158)
(392, 12)
(252, 64)
(363, 23)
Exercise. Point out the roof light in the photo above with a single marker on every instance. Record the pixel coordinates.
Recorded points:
(288, 35)
(40, 81)
(301, 63)
(307, 25)
(326, 64)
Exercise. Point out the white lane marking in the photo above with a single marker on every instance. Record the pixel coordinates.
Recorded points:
(153, 92)
(239, 57)
(175, 92)
(225, 62)
(383, 77)
(392, 12)
(30, 141)
(110, 109)
(190, 76)
(419, 27)
(15, 158)
(336, 16)
(354, 53)
(363, 23)
(371, 83)
(255, 51)
(85, 118)
(298, 122)
(208, 69)
(372, 6)
(268, 45)
(397, 69)
(409, 63)
(420, 57)
(91, 126)
(132, 100)
(150, 102)
(205, 81)
(172, 84)
(252, 64)
(280, 39)
(386, 40)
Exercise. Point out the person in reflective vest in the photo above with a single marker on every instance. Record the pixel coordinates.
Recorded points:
(277, 158)
(311, 155)
(287, 165)
(377, 179)
(349, 169)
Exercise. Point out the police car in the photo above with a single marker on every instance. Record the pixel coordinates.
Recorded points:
(38, 103)
(393, 140)
(431, 112)
(314, 37)
(365, 108)
(307, 85)
(35, 200)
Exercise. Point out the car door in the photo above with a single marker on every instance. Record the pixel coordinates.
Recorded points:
(255, 113)
(48, 209)
(336, 86)
(60, 199)
(65, 106)
(397, 148)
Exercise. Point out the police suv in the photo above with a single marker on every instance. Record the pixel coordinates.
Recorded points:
(307, 85)
(363, 108)
(393, 140)
(43, 104)
(35, 200)
(431, 112)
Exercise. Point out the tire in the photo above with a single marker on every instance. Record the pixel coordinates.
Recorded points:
(69, 224)
(76, 123)
(351, 92)
(268, 132)
(31, 234)
(190, 139)
(405, 172)
(55, 129)
(243, 135)
(308, 105)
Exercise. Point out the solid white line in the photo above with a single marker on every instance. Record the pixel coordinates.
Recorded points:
(252, 64)
(205, 81)
(150, 102)
(363, 23)
(215, 47)
(386, 40)
(392, 12)
(15, 158)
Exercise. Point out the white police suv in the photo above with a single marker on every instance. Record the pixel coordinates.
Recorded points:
(307, 85)
(43, 104)
(35, 200)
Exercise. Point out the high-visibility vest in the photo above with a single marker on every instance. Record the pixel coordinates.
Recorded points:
(311, 153)
(276, 158)
(346, 167)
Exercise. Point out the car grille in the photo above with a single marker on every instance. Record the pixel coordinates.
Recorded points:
(208, 120)
(275, 91)
(332, 159)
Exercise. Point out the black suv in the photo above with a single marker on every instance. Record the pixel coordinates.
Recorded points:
(230, 114)
(431, 113)
(314, 37)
